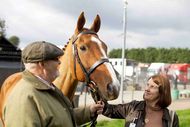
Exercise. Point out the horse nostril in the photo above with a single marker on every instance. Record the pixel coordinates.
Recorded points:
(110, 88)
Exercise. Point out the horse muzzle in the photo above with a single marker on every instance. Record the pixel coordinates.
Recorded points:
(112, 92)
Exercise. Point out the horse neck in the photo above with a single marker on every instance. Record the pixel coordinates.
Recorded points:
(66, 81)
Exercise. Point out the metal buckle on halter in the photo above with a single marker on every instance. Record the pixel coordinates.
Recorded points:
(92, 86)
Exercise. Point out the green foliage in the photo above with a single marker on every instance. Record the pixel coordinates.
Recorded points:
(184, 120)
(2, 27)
(14, 40)
(115, 53)
(151, 54)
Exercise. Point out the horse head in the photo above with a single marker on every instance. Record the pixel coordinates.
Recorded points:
(87, 57)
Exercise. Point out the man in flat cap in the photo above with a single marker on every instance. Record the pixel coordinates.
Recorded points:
(35, 101)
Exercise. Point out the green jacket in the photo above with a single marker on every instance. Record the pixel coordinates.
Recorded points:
(34, 104)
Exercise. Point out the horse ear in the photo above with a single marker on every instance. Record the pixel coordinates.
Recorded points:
(96, 24)
(80, 23)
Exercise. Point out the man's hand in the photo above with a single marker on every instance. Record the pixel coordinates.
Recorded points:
(96, 108)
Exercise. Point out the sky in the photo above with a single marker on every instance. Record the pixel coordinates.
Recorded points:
(150, 23)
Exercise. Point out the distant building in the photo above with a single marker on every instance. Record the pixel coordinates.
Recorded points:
(10, 59)
(8, 51)
(134, 72)
(129, 66)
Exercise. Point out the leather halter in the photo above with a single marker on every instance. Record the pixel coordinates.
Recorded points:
(88, 82)
(91, 84)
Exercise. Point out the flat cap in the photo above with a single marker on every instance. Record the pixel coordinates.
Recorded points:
(40, 51)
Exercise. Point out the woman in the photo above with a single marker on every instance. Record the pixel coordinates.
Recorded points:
(152, 111)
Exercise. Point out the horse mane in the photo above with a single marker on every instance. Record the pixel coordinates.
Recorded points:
(65, 46)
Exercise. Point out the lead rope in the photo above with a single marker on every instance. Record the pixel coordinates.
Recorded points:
(96, 98)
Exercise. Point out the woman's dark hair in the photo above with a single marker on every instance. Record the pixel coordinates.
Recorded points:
(164, 90)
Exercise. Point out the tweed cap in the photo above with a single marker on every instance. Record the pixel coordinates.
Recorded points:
(40, 51)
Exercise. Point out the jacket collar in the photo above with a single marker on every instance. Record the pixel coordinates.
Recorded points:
(141, 106)
(36, 82)
(166, 115)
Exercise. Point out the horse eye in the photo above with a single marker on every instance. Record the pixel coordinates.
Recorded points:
(83, 48)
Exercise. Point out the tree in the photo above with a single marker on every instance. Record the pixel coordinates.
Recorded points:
(14, 40)
(2, 28)
(115, 53)
(152, 54)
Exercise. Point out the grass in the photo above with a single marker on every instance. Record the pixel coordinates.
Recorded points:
(184, 117)
(113, 123)
(184, 120)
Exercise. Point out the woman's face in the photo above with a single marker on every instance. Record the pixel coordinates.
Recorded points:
(151, 93)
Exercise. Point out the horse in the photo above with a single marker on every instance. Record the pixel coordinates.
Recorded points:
(85, 59)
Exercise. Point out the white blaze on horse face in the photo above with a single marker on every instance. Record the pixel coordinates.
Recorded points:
(115, 81)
